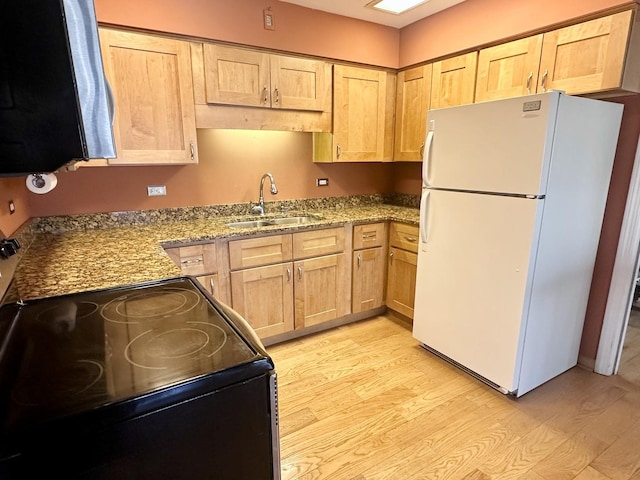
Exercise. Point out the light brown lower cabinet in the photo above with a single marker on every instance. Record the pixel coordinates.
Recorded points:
(368, 279)
(401, 272)
(278, 298)
(264, 297)
(210, 283)
(401, 281)
(201, 261)
(320, 290)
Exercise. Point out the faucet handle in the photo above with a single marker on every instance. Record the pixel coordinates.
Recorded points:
(258, 209)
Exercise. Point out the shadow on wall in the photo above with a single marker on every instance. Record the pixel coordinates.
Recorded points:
(231, 163)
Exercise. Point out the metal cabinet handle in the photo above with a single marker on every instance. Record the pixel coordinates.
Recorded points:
(300, 272)
(193, 150)
(192, 261)
(212, 285)
(338, 151)
(288, 274)
(359, 260)
(544, 80)
(422, 150)
(529, 78)
(276, 95)
(367, 236)
(410, 239)
(391, 257)
(265, 95)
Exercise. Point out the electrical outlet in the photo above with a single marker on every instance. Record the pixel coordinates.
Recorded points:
(322, 182)
(156, 190)
(269, 20)
(12, 207)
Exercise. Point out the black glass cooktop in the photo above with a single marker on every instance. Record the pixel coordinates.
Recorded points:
(81, 352)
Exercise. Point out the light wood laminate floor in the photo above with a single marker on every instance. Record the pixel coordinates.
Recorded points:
(365, 402)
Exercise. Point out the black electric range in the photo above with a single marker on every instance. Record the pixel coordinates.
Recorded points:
(153, 380)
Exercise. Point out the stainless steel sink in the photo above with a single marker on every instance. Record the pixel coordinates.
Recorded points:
(266, 222)
(293, 220)
(249, 224)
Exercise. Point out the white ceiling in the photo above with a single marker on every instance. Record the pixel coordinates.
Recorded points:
(358, 9)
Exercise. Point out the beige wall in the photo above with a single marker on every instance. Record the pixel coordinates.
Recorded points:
(297, 29)
(13, 188)
(477, 22)
(231, 164)
(616, 201)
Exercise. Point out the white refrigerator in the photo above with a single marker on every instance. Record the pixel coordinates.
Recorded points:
(511, 210)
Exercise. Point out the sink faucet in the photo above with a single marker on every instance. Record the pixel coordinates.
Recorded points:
(259, 209)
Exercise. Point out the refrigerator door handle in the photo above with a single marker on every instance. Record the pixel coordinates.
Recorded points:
(426, 159)
(424, 205)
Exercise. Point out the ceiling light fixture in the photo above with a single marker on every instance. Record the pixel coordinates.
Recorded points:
(395, 6)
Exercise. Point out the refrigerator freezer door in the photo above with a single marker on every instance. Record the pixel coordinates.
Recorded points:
(473, 277)
(501, 146)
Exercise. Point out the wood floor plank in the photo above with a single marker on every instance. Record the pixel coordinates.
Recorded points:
(366, 402)
(591, 473)
(461, 457)
(622, 458)
(570, 458)
(517, 458)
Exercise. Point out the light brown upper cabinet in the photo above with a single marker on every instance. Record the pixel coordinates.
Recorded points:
(412, 103)
(238, 76)
(153, 90)
(362, 117)
(454, 81)
(509, 69)
(594, 56)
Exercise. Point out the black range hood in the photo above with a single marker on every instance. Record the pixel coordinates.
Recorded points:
(55, 106)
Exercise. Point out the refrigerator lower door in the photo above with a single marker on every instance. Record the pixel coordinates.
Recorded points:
(473, 280)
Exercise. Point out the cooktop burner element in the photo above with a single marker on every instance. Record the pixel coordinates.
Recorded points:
(98, 348)
(168, 349)
(79, 309)
(58, 386)
(137, 307)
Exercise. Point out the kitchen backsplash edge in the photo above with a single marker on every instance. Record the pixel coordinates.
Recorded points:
(63, 223)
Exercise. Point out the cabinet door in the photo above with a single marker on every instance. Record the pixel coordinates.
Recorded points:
(210, 283)
(153, 89)
(300, 83)
(195, 259)
(454, 81)
(401, 281)
(412, 103)
(264, 297)
(368, 279)
(508, 70)
(586, 57)
(321, 290)
(236, 76)
(359, 103)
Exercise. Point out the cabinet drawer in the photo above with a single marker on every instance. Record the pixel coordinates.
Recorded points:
(194, 259)
(318, 242)
(253, 252)
(367, 236)
(404, 236)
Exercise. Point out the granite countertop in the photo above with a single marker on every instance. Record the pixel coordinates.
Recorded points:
(87, 257)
